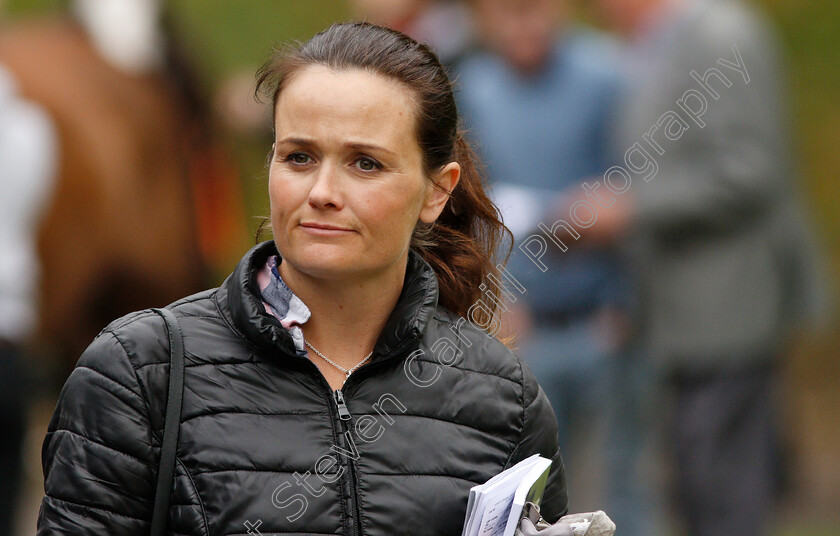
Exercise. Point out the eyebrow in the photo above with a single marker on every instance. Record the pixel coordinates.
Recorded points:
(352, 145)
(368, 146)
(295, 141)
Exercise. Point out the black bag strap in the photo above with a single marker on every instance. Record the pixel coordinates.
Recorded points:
(172, 424)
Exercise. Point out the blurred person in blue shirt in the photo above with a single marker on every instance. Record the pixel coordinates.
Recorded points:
(538, 96)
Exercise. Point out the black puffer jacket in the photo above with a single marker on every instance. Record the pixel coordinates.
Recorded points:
(265, 446)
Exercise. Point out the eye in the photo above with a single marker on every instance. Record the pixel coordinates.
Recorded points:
(366, 163)
(298, 158)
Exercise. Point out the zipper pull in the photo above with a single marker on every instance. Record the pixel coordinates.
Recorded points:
(343, 413)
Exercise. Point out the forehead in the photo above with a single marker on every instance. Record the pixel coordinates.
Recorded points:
(326, 103)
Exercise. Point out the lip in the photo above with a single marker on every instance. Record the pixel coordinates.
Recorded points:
(323, 229)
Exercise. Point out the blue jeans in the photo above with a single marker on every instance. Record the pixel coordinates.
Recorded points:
(585, 377)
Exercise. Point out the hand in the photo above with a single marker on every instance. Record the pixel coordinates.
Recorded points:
(610, 221)
(516, 322)
(527, 528)
(615, 327)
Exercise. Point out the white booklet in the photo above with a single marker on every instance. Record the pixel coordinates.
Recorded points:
(494, 508)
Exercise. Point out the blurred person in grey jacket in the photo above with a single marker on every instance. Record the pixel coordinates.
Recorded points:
(27, 161)
(705, 201)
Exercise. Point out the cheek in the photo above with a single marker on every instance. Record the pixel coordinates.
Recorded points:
(281, 208)
(394, 213)
(281, 195)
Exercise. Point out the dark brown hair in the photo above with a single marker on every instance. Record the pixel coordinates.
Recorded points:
(461, 246)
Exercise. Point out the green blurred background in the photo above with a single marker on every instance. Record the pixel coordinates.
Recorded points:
(226, 37)
(229, 36)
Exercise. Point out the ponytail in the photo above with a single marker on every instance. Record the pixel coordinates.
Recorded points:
(462, 245)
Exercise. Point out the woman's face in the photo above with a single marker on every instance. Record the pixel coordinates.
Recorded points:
(346, 181)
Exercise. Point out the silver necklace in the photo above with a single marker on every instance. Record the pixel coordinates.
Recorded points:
(347, 372)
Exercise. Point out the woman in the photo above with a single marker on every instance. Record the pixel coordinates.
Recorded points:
(383, 239)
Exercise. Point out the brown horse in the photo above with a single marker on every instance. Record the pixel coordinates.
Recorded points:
(136, 182)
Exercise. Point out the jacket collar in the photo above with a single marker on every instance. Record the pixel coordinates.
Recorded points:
(240, 302)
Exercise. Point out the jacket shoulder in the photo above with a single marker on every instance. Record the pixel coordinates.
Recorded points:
(473, 348)
(143, 335)
(728, 27)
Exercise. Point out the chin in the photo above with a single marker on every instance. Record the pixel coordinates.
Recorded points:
(325, 262)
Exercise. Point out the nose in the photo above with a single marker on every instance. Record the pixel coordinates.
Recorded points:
(326, 188)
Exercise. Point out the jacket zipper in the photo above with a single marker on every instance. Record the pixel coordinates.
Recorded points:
(344, 423)
(344, 420)
(340, 425)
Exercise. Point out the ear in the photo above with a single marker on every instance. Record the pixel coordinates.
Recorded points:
(436, 199)
(270, 156)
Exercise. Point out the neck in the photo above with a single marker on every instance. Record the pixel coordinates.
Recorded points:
(347, 314)
(655, 13)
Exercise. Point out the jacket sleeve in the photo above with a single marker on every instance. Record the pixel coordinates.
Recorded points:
(539, 436)
(97, 456)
